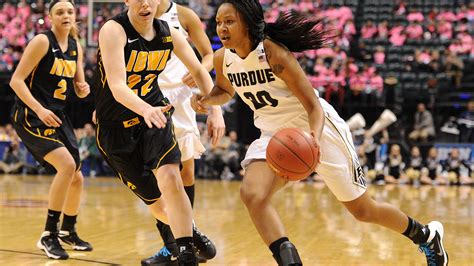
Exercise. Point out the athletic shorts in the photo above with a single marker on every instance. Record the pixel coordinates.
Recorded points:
(184, 121)
(40, 139)
(133, 150)
(339, 167)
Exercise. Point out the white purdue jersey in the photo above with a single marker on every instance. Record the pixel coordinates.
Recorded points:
(172, 75)
(273, 103)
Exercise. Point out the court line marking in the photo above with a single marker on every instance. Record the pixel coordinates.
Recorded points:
(42, 254)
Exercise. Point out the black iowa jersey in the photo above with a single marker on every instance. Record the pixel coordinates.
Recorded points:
(144, 61)
(52, 80)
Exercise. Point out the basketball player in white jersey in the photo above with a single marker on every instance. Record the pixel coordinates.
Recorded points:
(176, 83)
(257, 63)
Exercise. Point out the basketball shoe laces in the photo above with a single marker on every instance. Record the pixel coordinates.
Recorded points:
(163, 252)
(429, 252)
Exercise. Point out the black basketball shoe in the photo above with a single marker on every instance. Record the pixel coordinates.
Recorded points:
(49, 243)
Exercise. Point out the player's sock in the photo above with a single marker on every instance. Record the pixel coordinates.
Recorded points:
(167, 235)
(190, 192)
(52, 221)
(186, 254)
(275, 248)
(68, 222)
(416, 232)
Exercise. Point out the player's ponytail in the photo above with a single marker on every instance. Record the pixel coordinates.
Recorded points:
(296, 31)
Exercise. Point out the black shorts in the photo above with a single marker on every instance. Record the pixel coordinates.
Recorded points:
(40, 139)
(133, 150)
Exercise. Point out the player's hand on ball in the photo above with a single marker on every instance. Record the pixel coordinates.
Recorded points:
(199, 104)
(154, 116)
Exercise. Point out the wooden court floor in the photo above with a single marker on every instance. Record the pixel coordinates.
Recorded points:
(122, 231)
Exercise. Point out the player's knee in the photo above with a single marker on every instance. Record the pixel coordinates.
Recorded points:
(187, 174)
(67, 167)
(251, 196)
(170, 181)
(78, 180)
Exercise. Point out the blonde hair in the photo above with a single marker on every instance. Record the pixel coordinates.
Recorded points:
(74, 32)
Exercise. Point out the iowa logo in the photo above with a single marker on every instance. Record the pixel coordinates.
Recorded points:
(131, 122)
(49, 132)
(147, 60)
(131, 186)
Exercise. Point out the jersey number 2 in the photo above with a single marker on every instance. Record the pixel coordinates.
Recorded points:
(261, 99)
(59, 92)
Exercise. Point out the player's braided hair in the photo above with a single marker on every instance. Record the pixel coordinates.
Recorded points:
(294, 30)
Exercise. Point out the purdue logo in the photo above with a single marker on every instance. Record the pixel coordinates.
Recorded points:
(250, 78)
(147, 60)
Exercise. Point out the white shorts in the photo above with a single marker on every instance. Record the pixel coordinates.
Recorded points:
(339, 167)
(184, 121)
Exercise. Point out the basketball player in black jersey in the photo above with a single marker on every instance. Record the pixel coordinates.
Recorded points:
(50, 69)
(134, 128)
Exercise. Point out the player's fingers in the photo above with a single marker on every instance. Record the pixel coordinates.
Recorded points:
(215, 136)
(56, 118)
(166, 108)
(148, 123)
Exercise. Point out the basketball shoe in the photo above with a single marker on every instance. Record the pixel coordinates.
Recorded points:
(49, 243)
(72, 239)
(164, 257)
(433, 248)
(206, 250)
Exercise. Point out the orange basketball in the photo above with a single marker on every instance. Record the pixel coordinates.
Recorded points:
(292, 154)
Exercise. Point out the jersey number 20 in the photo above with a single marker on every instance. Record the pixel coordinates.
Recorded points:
(261, 99)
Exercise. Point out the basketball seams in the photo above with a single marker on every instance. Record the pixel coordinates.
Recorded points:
(288, 148)
(274, 162)
(313, 159)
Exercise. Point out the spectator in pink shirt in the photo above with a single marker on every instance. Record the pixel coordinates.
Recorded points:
(376, 85)
(415, 15)
(382, 29)
(447, 15)
(319, 82)
(349, 29)
(350, 68)
(414, 31)
(401, 9)
(398, 39)
(445, 30)
(335, 87)
(306, 6)
(345, 14)
(470, 12)
(379, 55)
(367, 71)
(422, 57)
(396, 29)
(369, 30)
(325, 52)
(339, 55)
(466, 41)
(320, 67)
(456, 47)
(462, 13)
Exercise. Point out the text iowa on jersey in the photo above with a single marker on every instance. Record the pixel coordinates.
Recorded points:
(147, 60)
(63, 68)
